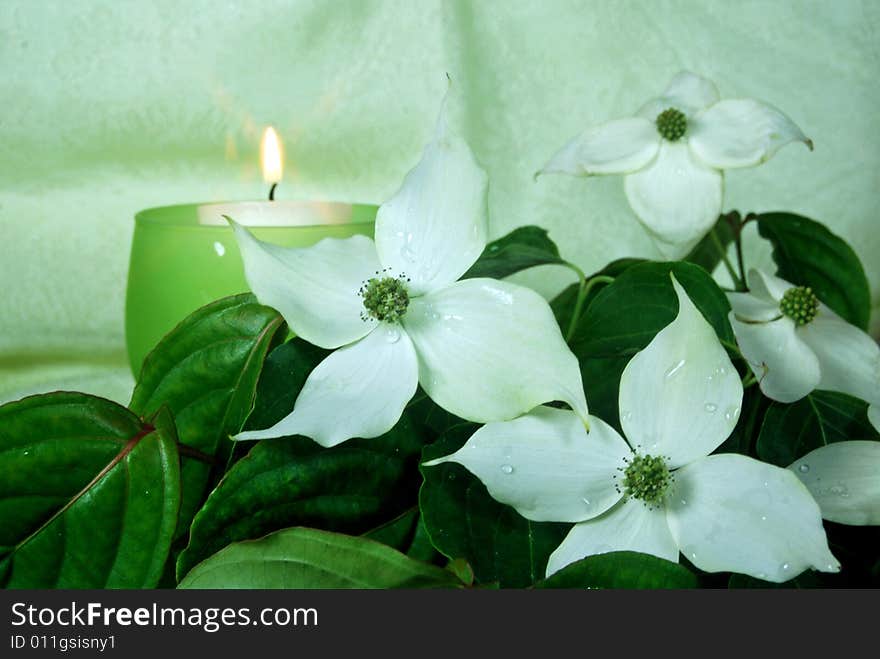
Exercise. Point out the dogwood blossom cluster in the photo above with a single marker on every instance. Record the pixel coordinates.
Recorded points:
(398, 315)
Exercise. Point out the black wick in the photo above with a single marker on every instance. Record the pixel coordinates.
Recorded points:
(272, 192)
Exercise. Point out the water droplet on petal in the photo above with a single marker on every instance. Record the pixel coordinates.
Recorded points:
(804, 468)
(762, 575)
(626, 416)
(407, 254)
(507, 469)
(763, 518)
(839, 490)
(675, 368)
(785, 566)
(392, 335)
(710, 407)
(586, 501)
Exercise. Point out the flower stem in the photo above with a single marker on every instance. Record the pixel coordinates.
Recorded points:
(732, 347)
(584, 287)
(737, 223)
(749, 380)
(737, 282)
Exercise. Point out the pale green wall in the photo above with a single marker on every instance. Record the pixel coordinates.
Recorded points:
(113, 106)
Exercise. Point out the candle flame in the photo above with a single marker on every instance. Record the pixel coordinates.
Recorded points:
(271, 156)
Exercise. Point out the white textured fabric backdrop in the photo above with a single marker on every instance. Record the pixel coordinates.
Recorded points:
(111, 106)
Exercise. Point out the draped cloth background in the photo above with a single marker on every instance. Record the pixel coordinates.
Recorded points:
(111, 106)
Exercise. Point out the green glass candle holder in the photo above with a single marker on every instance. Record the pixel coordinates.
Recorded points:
(185, 256)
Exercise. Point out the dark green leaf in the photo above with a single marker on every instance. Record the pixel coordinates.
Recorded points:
(524, 247)
(89, 493)
(205, 371)
(308, 558)
(808, 254)
(624, 317)
(293, 481)
(621, 569)
(397, 533)
(706, 254)
(822, 417)
(464, 521)
(284, 374)
(407, 534)
(563, 304)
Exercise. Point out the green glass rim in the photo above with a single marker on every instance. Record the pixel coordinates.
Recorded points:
(307, 213)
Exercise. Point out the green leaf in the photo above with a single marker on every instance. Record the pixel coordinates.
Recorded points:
(822, 417)
(89, 493)
(406, 533)
(626, 315)
(563, 304)
(621, 569)
(309, 558)
(464, 521)
(524, 247)
(808, 254)
(293, 481)
(706, 253)
(284, 373)
(205, 371)
(397, 533)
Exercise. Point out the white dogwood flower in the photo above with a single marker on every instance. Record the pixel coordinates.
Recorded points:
(794, 343)
(483, 349)
(662, 493)
(844, 478)
(672, 154)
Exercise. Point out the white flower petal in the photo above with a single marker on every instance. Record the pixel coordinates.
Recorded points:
(617, 147)
(676, 198)
(732, 513)
(741, 133)
(687, 92)
(545, 465)
(680, 397)
(315, 288)
(751, 308)
(844, 479)
(849, 359)
(629, 526)
(358, 391)
(786, 368)
(874, 416)
(767, 287)
(434, 228)
(491, 350)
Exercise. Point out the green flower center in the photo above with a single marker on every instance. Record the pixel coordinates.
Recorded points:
(671, 124)
(800, 304)
(646, 478)
(385, 298)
